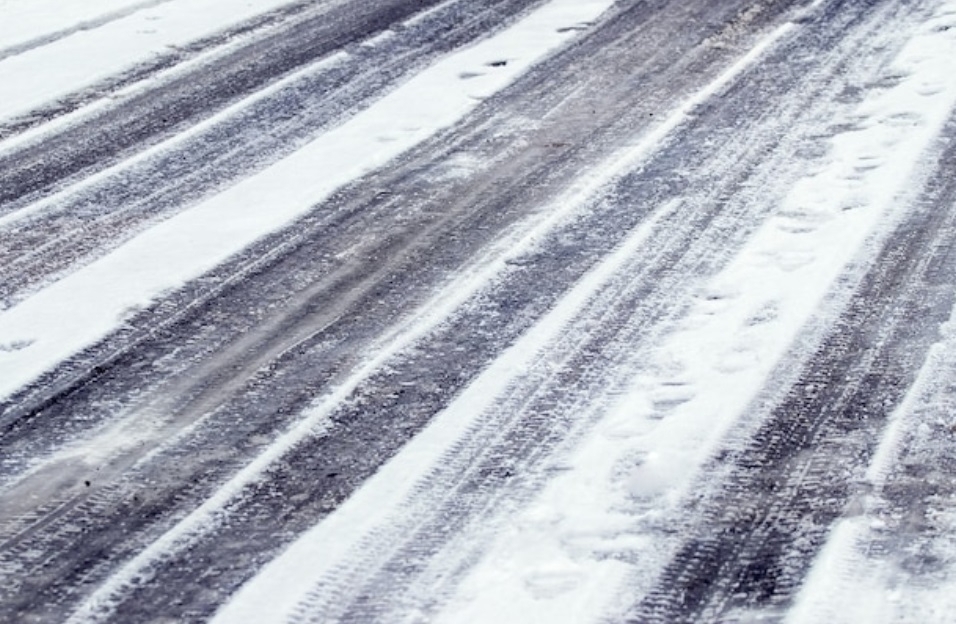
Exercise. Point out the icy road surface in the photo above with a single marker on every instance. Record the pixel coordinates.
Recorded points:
(510, 311)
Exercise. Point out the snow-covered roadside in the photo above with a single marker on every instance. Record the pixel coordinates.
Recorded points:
(549, 566)
(41, 75)
(85, 306)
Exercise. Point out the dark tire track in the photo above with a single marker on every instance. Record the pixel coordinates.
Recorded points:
(73, 102)
(505, 467)
(212, 374)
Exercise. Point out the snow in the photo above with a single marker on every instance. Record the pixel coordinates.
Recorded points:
(26, 22)
(548, 562)
(84, 58)
(853, 580)
(174, 142)
(709, 372)
(84, 307)
(316, 555)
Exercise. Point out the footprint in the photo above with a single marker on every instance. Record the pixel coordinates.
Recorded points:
(665, 364)
(669, 395)
(889, 81)
(612, 542)
(790, 261)
(904, 120)
(15, 345)
(738, 358)
(714, 298)
(547, 584)
(765, 313)
(868, 162)
(576, 27)
(929, 88)
(853, 201)
(629, 419)
(789, 227)
(805, 215)
(654, 476)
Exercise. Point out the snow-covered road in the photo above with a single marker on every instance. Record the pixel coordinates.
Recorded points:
(477, 311)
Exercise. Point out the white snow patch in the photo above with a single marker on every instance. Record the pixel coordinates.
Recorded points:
(86, 57)
(25, 21)
(173, 142)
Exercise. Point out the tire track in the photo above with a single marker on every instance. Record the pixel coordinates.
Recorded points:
(209, 377)
(892, 552)
(287, 488)
(23, 128)
(359, 216)
(462, 503)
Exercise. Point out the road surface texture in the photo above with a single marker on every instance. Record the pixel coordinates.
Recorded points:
(478, 311)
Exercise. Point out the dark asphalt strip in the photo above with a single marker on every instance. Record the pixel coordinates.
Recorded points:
(762, 528)
(91, 222)
(911, 534)
(183, 100)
